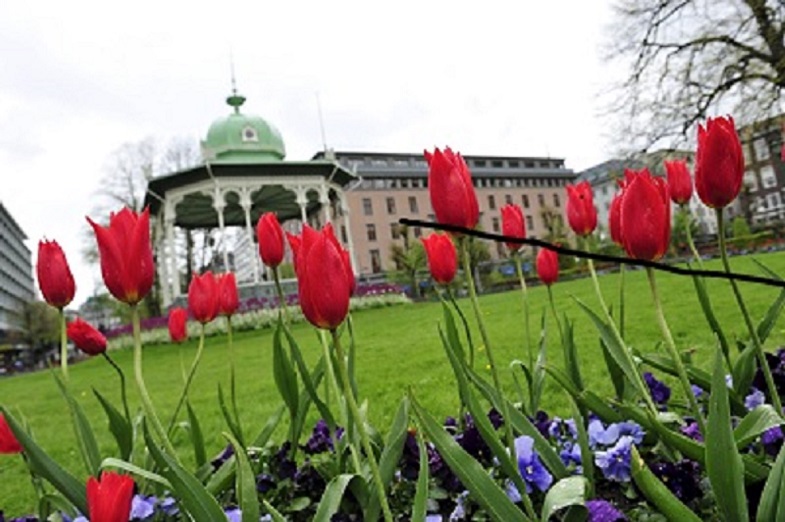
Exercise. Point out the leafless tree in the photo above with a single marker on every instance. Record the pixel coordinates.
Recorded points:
(689, 59)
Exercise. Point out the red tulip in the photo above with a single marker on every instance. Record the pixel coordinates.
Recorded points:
(679, 181)
(86, 337)
(719, 164)
(203, 297)
(442, 257)
(270, 236)
(547, 266)
(450, 186)
(513, 225)
(54, 276)
(109, 500)
(324, 276)
(646, 216)
(178, 324)
(294, 243)
(8, 442)
(228, 299)
(581, 214)
(126, 254)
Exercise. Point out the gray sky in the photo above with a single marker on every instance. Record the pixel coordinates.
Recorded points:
(81, 78)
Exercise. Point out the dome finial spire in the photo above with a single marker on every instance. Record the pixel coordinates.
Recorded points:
(235, 100)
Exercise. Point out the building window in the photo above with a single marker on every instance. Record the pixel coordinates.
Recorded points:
(417, 231)
(497, 164)
(541, 200)
(391, 206)
(774, 200)
(495, 224)
(344, 235)
(761, 149)
(767, 176)
(529, 223)
(395, 231)
(508, 199)
(249, 134)
(376, 261)
(500, 249)
(525, 199)
(751, 180)
(367, 207)
(556, 202)
(371, 231)
(491, 202)
(479, 163)
(413, 205)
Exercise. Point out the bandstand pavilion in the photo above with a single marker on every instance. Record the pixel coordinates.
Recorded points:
(243, 175)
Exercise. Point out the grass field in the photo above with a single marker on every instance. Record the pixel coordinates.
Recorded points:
(397, 348)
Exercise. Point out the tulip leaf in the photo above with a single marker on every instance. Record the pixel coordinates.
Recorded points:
(121, 428)
(111, 462)
(724, 465)
(284, 374)
(85, 438)
(538, 373)
(231, 421)
(268, 428)
(772, 500)
(614, 371)
(569, 491)
(616, 349)
(658, 493)
(420, 506)
(223, 477)
(744, 372)
(274, 513)
(587, 456)
(391, 455)
(471, 474)
(53, 500)
(711, 318)
(308, 383)
(332, 496)
(44, 466)
(754, 423)
(766, 325)
(571, 353)
(197, 439)
(193, 496)
(245, 485)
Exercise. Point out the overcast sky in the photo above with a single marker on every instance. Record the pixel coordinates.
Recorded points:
(80, 78)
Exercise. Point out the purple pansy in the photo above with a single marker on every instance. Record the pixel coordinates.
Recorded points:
(531, 469)
(692, 430)
(660, 391)
(754, 399)
(142, 507)
(603, 511)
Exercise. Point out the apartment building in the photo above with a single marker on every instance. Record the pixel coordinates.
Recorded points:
(395, 185)
(763, 195)
(16, 274)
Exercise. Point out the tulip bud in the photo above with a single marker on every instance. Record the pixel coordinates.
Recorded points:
(719, 162)
(679, 181)
(54, 276)
(442, 257)
(8, 442)
(86, 337)
(203, 297)
(178, 324)
(270, 236)
(547, 266)
(126, 254)
(513, 225)
(228, 298)
(581, 214)
(109, 500)
(646, 216)
(325, 280)
(450, 186)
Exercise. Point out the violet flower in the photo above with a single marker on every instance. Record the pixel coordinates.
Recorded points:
(754, 399)
(603, 511)
(531, 469)
(615, 462)
(142, 507)
(660, 392)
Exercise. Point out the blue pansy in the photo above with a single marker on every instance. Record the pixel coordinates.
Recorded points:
(142, 507)
(615, 462)
(754, 399)
(603, 511)
(531, 469)
(660, 391)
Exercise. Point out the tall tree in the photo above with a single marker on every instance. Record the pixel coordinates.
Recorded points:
(689, 59)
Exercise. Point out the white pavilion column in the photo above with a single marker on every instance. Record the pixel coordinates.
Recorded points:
(169, 218)
(246, 203)
(302, 200)
(324, 200)
(163, 262)
(219, 205)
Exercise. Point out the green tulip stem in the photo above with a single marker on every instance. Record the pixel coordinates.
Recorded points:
(360, 425)
(63, 346)
(467, 272)
(147, 403)
(640, 383)
(558, 321)
(690, 241)
(232, 379)
(189, 378)
(621, 300)
(670, 344)
(35, 480)
(465, 325)
(525, 298)
(123, 393)
(281, 297)
(761, 355)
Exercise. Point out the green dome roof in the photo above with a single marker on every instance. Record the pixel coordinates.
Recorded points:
(240, 138)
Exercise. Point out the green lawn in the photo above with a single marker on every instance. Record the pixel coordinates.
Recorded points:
(397, 348)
